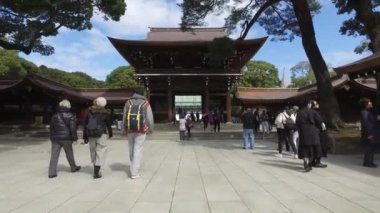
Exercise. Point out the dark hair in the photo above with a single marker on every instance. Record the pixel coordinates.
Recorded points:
(139, 90)
(364, 102)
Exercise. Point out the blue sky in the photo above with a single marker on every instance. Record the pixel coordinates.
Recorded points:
(92, 53)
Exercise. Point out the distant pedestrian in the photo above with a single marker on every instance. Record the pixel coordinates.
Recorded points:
(97, 130)
(182, 127)
(216, 119)
(369, 132)
(205, 121)
(138, 122)
(248, 133)
(197, 116)
(63, 132)
(189, 125)
(264, 122)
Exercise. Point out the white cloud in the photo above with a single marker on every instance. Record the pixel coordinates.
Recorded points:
(339, 58)
(88, 51)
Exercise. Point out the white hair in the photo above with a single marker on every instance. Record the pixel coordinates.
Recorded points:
(65, 104)
(100, 102)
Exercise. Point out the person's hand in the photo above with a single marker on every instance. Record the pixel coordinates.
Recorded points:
(75, 142)
(85, 140)
(370, 137)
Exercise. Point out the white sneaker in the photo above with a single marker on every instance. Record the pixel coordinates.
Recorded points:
(279, 155)
(295, 156)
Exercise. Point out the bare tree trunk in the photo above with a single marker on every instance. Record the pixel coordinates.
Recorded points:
(329, 104)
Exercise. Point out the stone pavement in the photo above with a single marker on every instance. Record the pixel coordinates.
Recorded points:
(191, 176)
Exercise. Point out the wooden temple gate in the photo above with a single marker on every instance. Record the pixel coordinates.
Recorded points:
(172, 62)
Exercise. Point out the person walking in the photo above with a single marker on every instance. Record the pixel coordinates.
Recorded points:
(138, 122)
(182, 128)
(323, 137)
(216, 119)
(308, 123)
(264, 122)
(282, 122)
(97, 124)
(369, 132)
(189, 124)
(63, 132)
(248, 126)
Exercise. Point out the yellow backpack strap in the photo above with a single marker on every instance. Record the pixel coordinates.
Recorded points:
(129, 113)
(138, 115)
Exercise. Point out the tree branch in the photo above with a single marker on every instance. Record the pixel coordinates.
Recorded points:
(10, 46)
(256, 16)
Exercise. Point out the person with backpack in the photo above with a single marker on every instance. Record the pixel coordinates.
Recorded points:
(138, 122)
(284, 122)
(63, 132)
(97, 124)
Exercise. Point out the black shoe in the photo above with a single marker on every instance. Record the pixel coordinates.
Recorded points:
(52, 176)
(97, 176)
(77, 168)
(307, 166)
(372, 165)
(97, 173)
(320, 165)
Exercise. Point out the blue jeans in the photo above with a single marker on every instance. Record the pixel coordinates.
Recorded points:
(249, 138)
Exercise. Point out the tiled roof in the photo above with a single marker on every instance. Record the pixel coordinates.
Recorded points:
(176, 34)
(367, 64)
(271, 95)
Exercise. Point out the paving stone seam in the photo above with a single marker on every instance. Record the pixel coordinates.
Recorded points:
(229, 181)
(306, 180)
(203, 181)
(151, 178)
(259, 184)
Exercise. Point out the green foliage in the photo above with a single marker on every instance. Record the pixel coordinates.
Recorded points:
(13, 67)
(74, 79)
(260, 74)
(23, 23)
(122, 77)
(278, 19)
(219, 50)
(303, 75)
(365, 22)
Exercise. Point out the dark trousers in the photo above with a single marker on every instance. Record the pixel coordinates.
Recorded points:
(216, 126)
(369, 153)
(188, 132)
(205, 124)
(55, 151)
(282, 135)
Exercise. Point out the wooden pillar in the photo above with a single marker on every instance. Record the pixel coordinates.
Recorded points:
(228, 107)
(170, 105)
(377, 102)
(207, 100)
(147, 94)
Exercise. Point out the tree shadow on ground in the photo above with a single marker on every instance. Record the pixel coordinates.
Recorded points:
(284, 164)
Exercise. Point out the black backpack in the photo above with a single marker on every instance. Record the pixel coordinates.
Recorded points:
(134, 117)
(289, 123)
(94, 127)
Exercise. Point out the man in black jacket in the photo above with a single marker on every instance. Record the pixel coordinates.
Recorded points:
(62, 134)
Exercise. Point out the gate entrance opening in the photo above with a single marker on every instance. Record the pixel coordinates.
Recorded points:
(187, 104)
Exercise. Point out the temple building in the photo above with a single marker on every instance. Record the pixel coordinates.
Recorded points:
(171, 63)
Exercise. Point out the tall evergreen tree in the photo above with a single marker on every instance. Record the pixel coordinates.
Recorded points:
(284, 19)
(23, 23)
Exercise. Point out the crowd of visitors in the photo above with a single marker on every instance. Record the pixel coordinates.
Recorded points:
(302, 131)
